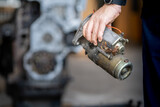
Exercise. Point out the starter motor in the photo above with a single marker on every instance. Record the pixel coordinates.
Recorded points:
(108, 53)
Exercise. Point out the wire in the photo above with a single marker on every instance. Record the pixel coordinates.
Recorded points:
(114, 28)
(93, 11)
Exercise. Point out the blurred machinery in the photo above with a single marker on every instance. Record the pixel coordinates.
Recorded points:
(35, 39)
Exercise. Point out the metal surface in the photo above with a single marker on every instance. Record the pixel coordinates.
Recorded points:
(57, 21)
(108, 54)
(35, 40)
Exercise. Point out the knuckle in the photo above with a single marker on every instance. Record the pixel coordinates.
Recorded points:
(100, 34)
(87, 33)
(101, 19)
(87, 38)
(87, 30)
(94, 39)
(94, 19)
(94, 33)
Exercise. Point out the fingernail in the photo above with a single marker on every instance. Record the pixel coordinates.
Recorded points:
(99, 40)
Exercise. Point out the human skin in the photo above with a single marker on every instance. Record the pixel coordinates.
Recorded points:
(94, 28)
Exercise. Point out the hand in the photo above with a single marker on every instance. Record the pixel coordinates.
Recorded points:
(95, 27)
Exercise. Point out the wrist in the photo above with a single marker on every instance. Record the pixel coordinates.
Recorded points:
(118, 2)
(114, 6)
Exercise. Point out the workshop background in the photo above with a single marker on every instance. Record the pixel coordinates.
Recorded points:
(64, 75)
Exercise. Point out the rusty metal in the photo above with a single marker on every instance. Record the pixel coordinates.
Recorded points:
(108, 54)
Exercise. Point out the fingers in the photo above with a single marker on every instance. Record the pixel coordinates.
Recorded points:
(87, 30)
(84, 29)
(94, 33)
(90, 31)
(101, 30)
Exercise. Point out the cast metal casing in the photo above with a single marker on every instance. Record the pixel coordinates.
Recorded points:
(108, 54)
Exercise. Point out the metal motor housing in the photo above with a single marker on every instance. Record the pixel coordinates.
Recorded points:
(108, 54)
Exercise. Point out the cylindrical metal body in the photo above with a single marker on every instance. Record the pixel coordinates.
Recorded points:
(119, 66)
(108, 54)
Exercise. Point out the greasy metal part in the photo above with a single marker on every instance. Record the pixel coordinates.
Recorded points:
(33, 47)
(117, 67)
(42, 62)
(108, 54)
